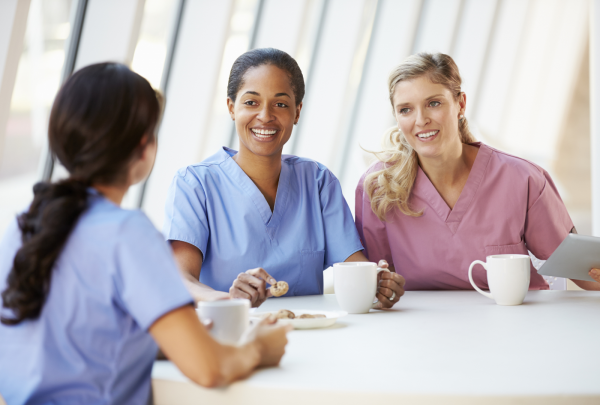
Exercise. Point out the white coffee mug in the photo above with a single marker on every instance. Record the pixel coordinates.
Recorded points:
(508, 278)
(355, 285)
(230, 318)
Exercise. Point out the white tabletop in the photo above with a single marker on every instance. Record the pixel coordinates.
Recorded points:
(433, 347)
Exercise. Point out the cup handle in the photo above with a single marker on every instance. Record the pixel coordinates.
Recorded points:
(483, 264)
(379, 269)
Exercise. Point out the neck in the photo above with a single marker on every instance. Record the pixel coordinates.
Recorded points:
(450, 167)
(263, 170)
(112, 193)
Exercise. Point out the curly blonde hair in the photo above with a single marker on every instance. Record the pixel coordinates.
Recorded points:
(391, 186)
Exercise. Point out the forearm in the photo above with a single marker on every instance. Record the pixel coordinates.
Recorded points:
(236, 363)
(587, 285)
(201, 292)
(360, 257)
(203, 360)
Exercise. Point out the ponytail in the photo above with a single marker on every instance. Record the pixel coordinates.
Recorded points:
(98, 121)
(45, 228)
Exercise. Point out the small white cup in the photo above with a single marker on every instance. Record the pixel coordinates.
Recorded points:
(508, 278)
(355, 285)
(230, 318)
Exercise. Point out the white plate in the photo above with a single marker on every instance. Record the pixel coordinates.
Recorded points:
(309, 323)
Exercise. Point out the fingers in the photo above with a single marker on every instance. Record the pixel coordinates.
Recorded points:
(383, 264)
(208, 323)
(393, 276)
(249, 287)
(384, 302)
(391, 285)
(595, 274)
(262, 274)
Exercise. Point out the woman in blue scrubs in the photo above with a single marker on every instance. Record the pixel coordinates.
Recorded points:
(86, 285)
(283, 217)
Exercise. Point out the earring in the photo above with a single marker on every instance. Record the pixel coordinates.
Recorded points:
(461, 117)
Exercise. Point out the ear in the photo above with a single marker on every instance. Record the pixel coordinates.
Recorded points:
(298, 108)
(230, 107)
(143, 147)
(462, 102)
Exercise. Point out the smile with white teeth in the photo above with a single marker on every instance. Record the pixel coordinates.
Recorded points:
(263, 133)
(426, 135)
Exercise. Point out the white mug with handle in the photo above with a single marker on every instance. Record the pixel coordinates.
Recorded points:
(230, 318)
(508, 278)
(355, 285)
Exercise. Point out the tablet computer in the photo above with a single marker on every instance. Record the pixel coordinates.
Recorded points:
(574, 258)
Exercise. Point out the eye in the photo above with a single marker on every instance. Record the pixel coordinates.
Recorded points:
(250, 102)
(282, 105)
(404, 111)
(434, 103)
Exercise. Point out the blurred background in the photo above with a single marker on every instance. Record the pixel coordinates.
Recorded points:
(524, 63)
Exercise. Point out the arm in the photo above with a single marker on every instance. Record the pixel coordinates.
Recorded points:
(189, 261)
(594, 273)
(590, 285)
(186, 342)
(389, 283)
(251, 285)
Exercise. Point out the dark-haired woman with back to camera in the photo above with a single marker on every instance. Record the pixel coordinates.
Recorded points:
(86, 285)
(283, 217)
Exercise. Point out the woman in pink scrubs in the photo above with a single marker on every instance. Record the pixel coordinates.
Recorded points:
(437, 200)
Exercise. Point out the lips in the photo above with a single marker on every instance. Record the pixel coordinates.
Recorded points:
(428, 134)
(263, 133)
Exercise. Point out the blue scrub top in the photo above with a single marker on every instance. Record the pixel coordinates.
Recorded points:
(90, 345)
(216, 207)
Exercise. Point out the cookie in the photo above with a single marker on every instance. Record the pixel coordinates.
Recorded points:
(284, 314)
(310, 316)
(279, 288)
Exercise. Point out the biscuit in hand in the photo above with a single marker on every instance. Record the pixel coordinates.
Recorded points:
(279, 288)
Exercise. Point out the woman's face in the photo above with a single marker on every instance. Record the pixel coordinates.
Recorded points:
(264, 110)
(428, 114)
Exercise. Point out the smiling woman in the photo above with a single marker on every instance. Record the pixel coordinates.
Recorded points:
(438, 200)
(240, 210)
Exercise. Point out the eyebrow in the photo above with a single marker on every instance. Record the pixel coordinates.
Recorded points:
(257, 94)
(428, 98)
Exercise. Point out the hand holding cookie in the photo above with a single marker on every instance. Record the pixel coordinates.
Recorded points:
(252, 285)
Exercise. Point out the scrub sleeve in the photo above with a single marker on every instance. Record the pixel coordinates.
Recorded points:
(548, 223)
(186, 212)
(147, 281)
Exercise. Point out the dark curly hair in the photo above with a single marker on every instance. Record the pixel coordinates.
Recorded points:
(265, 56)
(97, 123)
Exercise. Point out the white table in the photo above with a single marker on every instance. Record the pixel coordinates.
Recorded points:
(450, 347)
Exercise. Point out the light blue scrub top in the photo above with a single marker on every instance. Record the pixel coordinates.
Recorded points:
(216, 207)
(90, 345)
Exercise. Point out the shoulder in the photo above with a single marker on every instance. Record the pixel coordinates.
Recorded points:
(308, 169)
(103, 213)
(374, 167)
(517, 167)
(195, 174)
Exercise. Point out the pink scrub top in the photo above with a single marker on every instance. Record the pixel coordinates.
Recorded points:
(508, 205)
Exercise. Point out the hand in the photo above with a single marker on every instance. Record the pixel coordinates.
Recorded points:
(252, 285)
(388, 284)
(595, 274)
(271, 341)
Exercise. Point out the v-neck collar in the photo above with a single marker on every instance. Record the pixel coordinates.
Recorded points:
(424, 189)
(270, 219)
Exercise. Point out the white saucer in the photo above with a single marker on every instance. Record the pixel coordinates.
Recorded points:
(307, 323)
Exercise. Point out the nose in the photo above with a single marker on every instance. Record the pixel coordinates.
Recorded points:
(422, 119)
(265, 114)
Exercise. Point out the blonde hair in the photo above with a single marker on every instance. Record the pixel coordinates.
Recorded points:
(391, 186)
